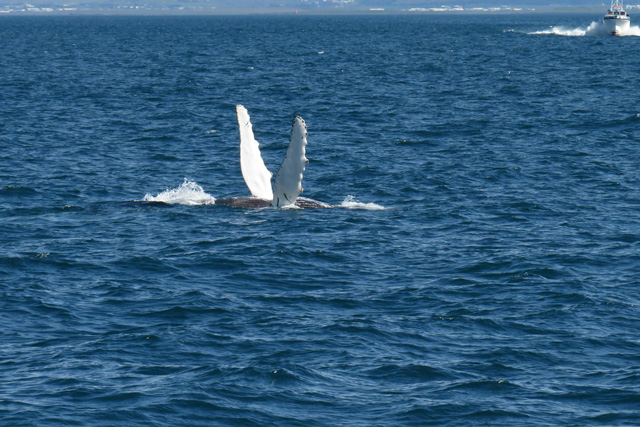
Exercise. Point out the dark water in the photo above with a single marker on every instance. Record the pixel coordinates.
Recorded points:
(498, 286)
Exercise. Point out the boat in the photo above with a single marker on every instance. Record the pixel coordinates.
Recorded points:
(617, 20)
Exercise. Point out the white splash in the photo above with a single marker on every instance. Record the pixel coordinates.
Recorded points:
(350, 202)
(594, 29)
(188, 193)
(291, 206)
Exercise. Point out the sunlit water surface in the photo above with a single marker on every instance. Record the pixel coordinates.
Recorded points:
(480, 265)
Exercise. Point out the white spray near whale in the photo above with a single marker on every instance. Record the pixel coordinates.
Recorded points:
(284, 192)
(189, 193)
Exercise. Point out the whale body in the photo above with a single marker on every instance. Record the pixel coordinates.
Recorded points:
(288, 183)
(257, 203)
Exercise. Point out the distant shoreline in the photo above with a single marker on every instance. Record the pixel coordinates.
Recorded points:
(288, 12)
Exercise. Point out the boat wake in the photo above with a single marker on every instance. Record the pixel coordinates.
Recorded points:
(189, 193)
(594, 29)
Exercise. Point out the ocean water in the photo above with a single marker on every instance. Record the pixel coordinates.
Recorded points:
(480, 266)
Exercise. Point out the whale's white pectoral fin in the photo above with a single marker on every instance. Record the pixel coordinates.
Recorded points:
(254, 172)
(289, 179)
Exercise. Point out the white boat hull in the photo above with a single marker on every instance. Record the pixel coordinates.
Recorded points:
(616, 27)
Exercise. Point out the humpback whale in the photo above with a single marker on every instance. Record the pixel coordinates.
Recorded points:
(288, 183)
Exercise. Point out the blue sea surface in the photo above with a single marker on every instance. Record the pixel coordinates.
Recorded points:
(481, 264)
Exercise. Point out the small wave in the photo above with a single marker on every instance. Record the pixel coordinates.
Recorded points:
(594, 29)
(618, 123)
(634, 118)
(188, 193)
(350, 202)
(17, 190)
(411, 373)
